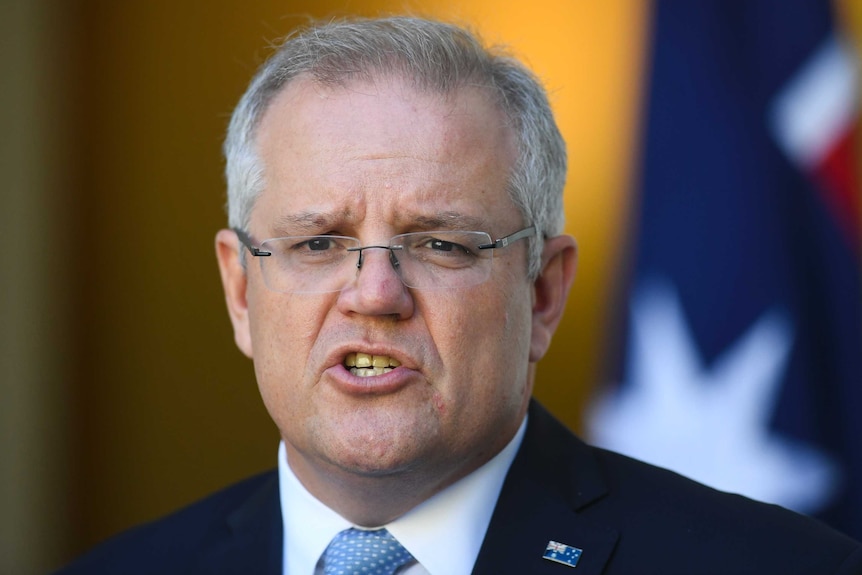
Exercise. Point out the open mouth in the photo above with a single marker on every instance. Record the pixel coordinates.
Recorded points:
(367, 365)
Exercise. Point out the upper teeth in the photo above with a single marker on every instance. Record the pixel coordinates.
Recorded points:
(365, 364)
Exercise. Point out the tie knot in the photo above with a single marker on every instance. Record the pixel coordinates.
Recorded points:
(358, 552)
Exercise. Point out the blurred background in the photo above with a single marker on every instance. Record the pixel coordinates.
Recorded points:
(122, 395)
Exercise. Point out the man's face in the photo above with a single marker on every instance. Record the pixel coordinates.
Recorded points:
(372, 161)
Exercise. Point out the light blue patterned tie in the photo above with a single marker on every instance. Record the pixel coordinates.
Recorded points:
(358, 552)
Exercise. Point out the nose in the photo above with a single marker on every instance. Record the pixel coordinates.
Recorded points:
(376, 289)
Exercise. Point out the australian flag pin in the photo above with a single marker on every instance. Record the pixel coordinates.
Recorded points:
(561, 553)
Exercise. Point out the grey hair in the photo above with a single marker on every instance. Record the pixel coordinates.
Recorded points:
(435, 57)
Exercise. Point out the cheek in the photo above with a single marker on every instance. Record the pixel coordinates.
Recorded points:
(285, 321)
(508, 341)
(284, 329)
(457, 326)
(482, 338)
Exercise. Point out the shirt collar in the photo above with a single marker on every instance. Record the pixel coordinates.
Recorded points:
(444, 533)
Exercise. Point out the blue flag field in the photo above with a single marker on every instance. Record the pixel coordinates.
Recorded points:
(740, 347)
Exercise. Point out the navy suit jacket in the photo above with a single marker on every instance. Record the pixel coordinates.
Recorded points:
(627, 517)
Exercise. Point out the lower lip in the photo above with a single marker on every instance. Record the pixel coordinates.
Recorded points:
(382, 384)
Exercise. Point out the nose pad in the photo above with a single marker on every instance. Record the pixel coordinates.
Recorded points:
(361, 251)
(393, 259)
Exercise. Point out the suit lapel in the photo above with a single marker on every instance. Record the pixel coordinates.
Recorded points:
(249, 540)
(553, 477)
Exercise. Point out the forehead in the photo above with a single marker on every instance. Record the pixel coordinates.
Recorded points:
(383, 145)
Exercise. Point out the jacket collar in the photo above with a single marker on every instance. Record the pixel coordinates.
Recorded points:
(553, 477)
(250, 540)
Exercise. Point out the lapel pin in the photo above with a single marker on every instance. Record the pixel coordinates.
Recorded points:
(561, 553)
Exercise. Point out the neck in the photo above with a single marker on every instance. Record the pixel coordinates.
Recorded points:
(376, 499)
(370, 500)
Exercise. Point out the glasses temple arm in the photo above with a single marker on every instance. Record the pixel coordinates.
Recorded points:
(246, 240)
(503, 242)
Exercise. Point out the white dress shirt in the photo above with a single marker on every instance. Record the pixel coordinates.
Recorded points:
(444, 533)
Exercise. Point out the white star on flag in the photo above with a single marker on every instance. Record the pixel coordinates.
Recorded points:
(710, 423)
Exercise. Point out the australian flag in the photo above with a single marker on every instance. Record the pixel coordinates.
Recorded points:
(740, 361)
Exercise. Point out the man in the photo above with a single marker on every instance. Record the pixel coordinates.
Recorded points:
(395, 268)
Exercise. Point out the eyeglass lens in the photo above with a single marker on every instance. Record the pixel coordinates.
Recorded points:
(426, 260)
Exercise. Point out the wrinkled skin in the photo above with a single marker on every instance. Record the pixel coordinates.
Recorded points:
(373, 160)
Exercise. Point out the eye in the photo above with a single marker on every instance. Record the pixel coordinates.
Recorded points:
(440, 245)
(320, 243)
(314, 250)
(444, 245)
(316, 243)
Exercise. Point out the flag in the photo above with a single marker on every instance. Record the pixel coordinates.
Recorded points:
(740, 347)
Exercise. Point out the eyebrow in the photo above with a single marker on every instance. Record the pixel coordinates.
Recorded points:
(450, 220)
(306, 223)
(312, 223)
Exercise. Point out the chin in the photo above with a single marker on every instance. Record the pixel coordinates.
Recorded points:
(383, 449)
(374, 463)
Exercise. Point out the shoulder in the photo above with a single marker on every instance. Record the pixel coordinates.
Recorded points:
(666, 521)
(170, 544)
(657, 511)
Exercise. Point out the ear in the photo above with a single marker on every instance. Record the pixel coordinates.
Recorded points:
(234, 282)
(551, 290)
